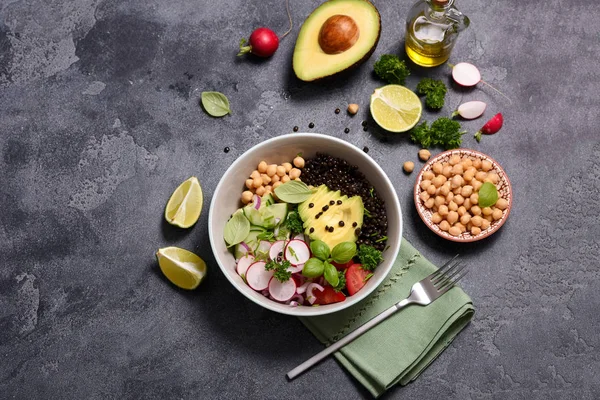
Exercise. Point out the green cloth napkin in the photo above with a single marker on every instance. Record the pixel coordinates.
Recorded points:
(401, 347)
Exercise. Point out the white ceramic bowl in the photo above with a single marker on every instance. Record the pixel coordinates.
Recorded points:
(226, 199)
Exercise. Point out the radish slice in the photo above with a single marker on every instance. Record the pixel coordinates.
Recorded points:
(282, 291)
(257, 277)
(243, 264)
(294, 304)
(264, 247)
(256, 201)
(276, 248)
(300, 236)
(466, 74)
(470, 109)
(296, 269)
(309, 292)
(302, 288)
(297, 252)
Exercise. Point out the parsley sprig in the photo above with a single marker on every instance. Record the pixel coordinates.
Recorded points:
(281, 269)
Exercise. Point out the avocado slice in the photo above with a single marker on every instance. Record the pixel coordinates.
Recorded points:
(336, 36)
(326, 226)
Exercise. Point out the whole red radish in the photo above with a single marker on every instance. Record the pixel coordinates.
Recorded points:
(490, 127)
(263, 42)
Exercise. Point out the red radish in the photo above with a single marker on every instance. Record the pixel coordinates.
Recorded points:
(310, 292)
(276, 248)
(466, 74)
(264, 247)
(490, 127)
(243, 264)
(257, 277)
(300, 236)
(263, 42)
(297, 269)
(470, 109)
(356, 277)
(297, 252)
(282, 291)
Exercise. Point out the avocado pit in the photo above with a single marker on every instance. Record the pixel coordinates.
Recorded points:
(338, 34)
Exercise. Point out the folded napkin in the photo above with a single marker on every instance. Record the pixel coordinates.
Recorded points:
(401, 347)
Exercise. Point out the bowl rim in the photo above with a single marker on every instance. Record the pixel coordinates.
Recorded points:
(427, 221)
(329, 308)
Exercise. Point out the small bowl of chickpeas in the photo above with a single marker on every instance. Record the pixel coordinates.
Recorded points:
(446, 195)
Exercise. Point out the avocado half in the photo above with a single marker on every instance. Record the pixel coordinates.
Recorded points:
(336, 36)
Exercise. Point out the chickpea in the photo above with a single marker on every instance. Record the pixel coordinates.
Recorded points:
(502, 204)
(425, 184)
(295, 173)
(445, 189)
(477, 163)
(424, 196)
(474, 198)
(468, 176)
(260, 191)
(431, 190)
(456, 191)
(299, 162)
(424, 154)
(467, 162)
(437, 167)
(462, 211)
(443, 210)
(465, 219)
(280, 170)
(476, 184)
(492, 177)
(475, 210)
(428, 175)
(488, 218)
(485, 224)
(486, 165)
(266, 179)
(298, 179)
(467, 204)
(454, 230)
(466, 191)
(475, 231)
(449, 197)
(409, 167)
(476, 220)
(285, 179)
(469, 226)
(452, 217)
(439, 200)
(486, 211)
(461, 227)
(457, 169)
(257, 182)
(271, 170)
(262, 167)
(275, 178)
(459, 199)
(438, 181)
(276, 185)
(455, 159)
(246, 197)
(249, 183)
(452, 206)
(268, 189)
(436, 218)
(444, 225)
(480, 175)
(255, 174)
(288, 167)
(496, 214)
(430, 202)
(457, 181)
(447, 171)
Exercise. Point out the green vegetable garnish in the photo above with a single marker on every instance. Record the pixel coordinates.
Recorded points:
(236, 229)
(488, 195)
(294, 223)
(343, 252)
(320, 249)
(369, 257)
(215, 104)
(281, 269)
(443, 132)
(341, 282)
(313, 268)
(391, 69)
(293, 192)
(331, 274)
(434, 91)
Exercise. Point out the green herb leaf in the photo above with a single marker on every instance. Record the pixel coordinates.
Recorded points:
(488, 195)
(215, 104)
(281, 272)
(266, 235)
(443, 132)
(434, 90)
(331, 274)
(369, 257)
(293, 192)
(320, 249)
(343, 252)
(313, 268)
(236, 229)
(391, 69)
(294, 222)
(342, 282)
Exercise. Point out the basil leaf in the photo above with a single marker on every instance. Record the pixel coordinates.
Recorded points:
(343, 252)
(313, 268)
(320, 249)
(215, 104)
(488, 195)
(236, 229)
(293, 192)
(331, 274)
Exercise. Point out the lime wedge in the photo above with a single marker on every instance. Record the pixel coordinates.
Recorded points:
(395, 108)
(183, 268)
(185, 204)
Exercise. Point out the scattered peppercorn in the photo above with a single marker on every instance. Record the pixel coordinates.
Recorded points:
(312, 230)
(339, 202)
(325, 207)
(318, 215)
(311, 205)
(226, 149)
(365, 128)
(337, 110)
(366, 149)
(296, 129)
(341, 223)
(331, 202)
(331, 229)
(311, 125)
(364, 123)
(347, 130)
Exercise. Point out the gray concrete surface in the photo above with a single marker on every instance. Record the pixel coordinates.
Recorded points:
(99, 122)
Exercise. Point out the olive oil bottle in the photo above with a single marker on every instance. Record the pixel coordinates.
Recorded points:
(432, 27)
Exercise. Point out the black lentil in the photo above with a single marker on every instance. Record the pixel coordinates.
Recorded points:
(226, 149)
(311, 125)
(347, 130)
(337, 110)
(338, 174)
(296, 129)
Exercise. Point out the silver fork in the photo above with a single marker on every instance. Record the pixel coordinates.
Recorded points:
(422, 293)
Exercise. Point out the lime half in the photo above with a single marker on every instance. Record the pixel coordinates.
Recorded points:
(395, 108)
(185, 204)
(183, 268)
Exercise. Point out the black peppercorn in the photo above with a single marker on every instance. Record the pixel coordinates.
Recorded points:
(311, 205)
(347, 130)
(365, 128)
(325, 207)
(296, 129)
(311, 125)
(331, 229)
(366, 149)
(312, 230)
(226, 149)
(339, 202)
(337, 110)
(341, 223)
(331, 202)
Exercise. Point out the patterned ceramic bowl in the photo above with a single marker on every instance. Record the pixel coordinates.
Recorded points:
(504, 192)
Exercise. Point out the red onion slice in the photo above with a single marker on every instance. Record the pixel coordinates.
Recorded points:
(256, 201)
(309, 292)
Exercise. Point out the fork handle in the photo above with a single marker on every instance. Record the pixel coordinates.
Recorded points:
(346, 339)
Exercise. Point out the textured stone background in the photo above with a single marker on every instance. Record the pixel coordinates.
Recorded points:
(100, 122)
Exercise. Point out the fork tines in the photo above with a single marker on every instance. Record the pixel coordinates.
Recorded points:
(448, 274)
